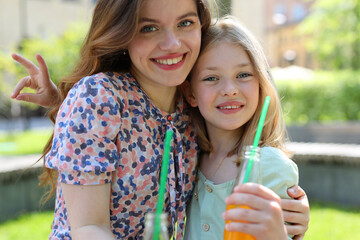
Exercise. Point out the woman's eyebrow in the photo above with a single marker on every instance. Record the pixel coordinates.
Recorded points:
(189, 14)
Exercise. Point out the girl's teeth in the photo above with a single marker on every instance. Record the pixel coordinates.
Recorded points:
(169, 61)
(229, 107)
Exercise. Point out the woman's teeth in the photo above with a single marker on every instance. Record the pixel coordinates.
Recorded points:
(170, 61)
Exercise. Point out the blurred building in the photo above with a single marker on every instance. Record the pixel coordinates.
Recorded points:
(274, 23)
(21, 19)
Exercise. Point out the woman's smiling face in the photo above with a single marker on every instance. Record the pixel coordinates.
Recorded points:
(167, 42)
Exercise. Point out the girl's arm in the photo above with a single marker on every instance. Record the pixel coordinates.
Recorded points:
(296, 211)
(264, 220)
(47, 94)
(88, 211)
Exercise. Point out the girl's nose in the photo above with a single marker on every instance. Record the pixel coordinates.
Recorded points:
(170, 41)
(229, 88)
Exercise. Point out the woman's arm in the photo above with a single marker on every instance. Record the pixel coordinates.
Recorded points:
(296, 211)
(47, 94)
(88, 211)
(264, 220)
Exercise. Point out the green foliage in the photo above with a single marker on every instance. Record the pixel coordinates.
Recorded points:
(334, 27)
(329, 97)
(29, 226)
(17, 143)
(61, 53)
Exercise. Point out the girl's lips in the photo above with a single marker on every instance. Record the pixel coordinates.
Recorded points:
(230, 107)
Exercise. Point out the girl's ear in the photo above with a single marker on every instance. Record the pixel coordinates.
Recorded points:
(186, 89)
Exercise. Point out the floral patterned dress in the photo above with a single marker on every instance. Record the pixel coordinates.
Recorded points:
(108, 131)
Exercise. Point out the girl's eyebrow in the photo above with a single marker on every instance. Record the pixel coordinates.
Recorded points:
(240, 65)
(186, 15)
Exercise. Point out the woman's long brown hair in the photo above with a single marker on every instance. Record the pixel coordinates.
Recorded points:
(113, 26)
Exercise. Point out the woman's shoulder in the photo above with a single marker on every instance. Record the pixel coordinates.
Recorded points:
(107, 80)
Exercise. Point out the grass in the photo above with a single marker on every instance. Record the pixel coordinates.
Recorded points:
(22, 143)
(333, 223)
(35, 226)
(326, 222)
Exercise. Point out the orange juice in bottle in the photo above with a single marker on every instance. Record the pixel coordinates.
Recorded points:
(243, 176)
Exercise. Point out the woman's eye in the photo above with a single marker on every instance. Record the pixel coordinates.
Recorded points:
(185, 23)
(244, 75)
(146, 29)
(211, 78)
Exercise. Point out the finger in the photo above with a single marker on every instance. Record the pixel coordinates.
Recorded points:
(30, 66)
(32, 98)
(43, 67)
(299, 237)
(24, 82)
(296, 191)
(257, 190)
(295, 229)
(242, 213)
(294, 217)
(244, 227)
(295, 205)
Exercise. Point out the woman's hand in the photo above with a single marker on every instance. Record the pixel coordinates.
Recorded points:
(264, 220)
(47, 94)
(296, 211)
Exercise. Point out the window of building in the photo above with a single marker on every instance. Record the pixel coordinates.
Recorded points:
(298, 12)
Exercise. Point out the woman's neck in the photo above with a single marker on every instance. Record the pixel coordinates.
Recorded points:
(163, 97)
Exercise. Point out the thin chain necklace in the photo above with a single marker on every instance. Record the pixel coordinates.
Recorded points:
(196, 194)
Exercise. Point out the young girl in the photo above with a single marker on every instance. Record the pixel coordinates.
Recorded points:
(229, 83)
(110, 127)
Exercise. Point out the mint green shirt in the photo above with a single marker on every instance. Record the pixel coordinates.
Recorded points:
(204, 217)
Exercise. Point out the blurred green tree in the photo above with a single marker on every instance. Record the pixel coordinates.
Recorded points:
(60, 52)
(334, 27)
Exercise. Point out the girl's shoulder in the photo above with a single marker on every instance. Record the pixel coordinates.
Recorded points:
(272, 155)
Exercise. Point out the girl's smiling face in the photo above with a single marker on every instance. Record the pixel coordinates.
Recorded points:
(224, 87)
(166, 44)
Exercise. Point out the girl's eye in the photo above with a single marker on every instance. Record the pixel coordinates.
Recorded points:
(211, 79)
(185, 23)
(147, 29)
(244, 75)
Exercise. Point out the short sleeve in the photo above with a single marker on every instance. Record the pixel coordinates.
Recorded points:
(84, 149)
(278, 171)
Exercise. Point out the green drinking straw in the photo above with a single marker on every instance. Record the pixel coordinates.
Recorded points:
(163, 177)
(257, 138)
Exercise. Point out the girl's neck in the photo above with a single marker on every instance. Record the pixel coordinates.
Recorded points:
(217, 166)
(218, 137)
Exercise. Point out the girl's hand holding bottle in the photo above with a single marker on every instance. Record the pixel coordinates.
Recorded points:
(263, 219)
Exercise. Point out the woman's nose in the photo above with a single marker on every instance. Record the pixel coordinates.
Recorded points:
(170, 41)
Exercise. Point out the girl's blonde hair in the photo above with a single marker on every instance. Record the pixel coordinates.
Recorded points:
(229, 29)
(113, 26)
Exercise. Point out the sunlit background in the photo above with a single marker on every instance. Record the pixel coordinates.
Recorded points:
(313, 47)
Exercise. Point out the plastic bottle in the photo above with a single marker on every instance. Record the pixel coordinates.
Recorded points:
(150, 223)
(254, 177)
